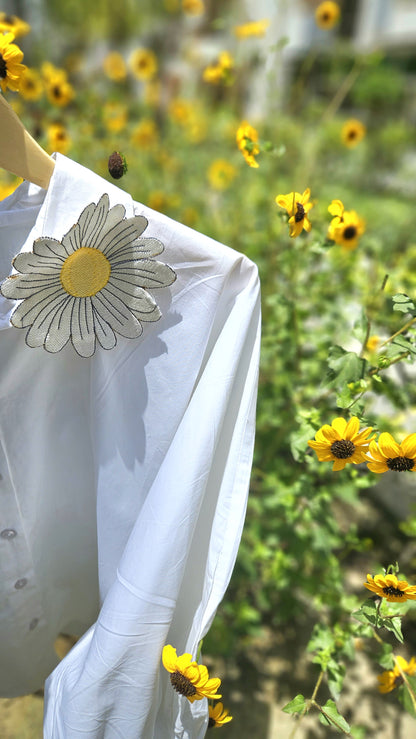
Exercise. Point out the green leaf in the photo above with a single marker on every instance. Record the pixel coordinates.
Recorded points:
(358, 732)
(360, 327)
(331, 717)
(405, 697)
(395, 625)
(344, 367)
(404, 344)
(386, 660)
(297, 705)
(367, 613)
(403, 303)
(335, 675)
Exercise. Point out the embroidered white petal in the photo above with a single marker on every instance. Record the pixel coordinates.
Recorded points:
(60, 328)
(71, 241)
(117, 314)
(48, 248)
(39, 329)
(147, 272)
(140, 249)
(82, 327)
(19, 287)
(104, 332)
(89, 286)
(34, 264)
(27, 311)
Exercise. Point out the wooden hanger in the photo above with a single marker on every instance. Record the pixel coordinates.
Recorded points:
(19, 152)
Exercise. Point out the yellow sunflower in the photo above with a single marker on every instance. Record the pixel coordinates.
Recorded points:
(187, 677)
(327, 15)
(145, 134)
(297, 207)
(31, 85)
(11, 69)
(193, 7)
(220, 72)
(372, 343)
(221, 174)
(352, 133)
(386, 454)
(143, 64)
(346, 228)
(252, 29)
(336, 209)
(58, 138)
(218, 716)
(391, 679)
(114, 116)
(58, 90)
(114, 67)
(390, 588)
(8, 188)
(12, 23)
(341, 442)
(247, 141)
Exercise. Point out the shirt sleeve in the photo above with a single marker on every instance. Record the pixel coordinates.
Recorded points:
(180, 553)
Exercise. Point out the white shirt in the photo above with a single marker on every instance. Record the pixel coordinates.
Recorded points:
(124, 478)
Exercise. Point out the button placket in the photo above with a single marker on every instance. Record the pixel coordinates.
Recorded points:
(19, 597)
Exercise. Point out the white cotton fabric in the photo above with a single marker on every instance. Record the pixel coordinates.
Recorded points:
(124, 479)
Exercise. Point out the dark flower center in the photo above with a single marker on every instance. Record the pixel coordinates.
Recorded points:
(181, 684)
(56, 91)
(352, 133)
(390, 590)
(400, 464)
(350, 232)
(326, 17)
(300, 213)
(3, 68)
(343, 449)
(211, 723)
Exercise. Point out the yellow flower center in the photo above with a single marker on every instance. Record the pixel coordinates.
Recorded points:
(85, 272)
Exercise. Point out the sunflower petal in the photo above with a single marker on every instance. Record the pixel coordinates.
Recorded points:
(169, 658)
(352, 428)
(408, 446)
(339, 424)
(388, 446)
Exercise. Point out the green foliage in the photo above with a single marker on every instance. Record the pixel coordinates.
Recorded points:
(330, 717)
(307, 525)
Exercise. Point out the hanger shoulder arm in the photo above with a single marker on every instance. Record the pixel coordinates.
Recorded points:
(19, 152)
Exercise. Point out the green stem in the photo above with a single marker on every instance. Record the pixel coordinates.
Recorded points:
(308, 704)
(406, 682)
(400, 331)
(342, 92)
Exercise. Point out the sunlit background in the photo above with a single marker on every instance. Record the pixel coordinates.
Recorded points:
(331, 106)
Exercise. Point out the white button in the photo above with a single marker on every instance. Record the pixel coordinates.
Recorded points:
(20, 583)
(34, 622)
(8, 534)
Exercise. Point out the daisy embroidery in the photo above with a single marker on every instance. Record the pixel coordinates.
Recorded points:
(89, 286)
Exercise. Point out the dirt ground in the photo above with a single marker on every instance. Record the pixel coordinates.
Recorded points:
(256, 688)
(275, 668)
